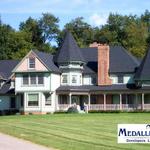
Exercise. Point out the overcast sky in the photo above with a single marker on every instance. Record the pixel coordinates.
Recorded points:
(95, 12)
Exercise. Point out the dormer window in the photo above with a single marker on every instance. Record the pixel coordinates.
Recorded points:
(31, 63)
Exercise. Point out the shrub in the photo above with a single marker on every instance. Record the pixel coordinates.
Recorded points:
(72, 109)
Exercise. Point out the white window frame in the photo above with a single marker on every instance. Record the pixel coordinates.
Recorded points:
(28, 100)
(76, 78)
(30, 63)
(64, 83)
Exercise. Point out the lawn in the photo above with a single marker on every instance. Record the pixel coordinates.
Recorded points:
(73, 131)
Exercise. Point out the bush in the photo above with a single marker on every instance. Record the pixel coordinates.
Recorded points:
(72, 109)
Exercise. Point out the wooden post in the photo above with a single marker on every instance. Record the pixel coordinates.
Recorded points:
(142, 101)
(104, 101)
(136, 101)
(70, 101)
(89, 101)
(120, 101)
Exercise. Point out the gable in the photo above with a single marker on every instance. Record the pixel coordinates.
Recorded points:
(23, 66)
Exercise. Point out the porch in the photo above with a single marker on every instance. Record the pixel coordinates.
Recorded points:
(105, 102)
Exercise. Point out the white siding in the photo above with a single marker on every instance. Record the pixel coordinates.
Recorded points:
(128, 78)
(55, 81)
(88, 79)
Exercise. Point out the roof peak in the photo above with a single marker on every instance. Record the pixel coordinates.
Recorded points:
(69, 51)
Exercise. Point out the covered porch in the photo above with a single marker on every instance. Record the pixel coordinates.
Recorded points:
(104, 101)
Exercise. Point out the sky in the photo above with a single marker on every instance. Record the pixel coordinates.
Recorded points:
(95, 12)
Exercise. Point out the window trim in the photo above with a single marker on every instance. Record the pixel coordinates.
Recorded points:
(29, 80)
(66, 79)
(28, 100)
(76, 78)
(31, 63)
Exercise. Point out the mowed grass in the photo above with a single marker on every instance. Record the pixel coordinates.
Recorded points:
(74, 131)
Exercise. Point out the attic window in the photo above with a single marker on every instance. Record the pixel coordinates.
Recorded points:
(31, 63)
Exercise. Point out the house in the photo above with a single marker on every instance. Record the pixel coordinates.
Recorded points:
(102, 77)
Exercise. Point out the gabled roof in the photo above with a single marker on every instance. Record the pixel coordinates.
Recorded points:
(121, 60)
(6, 67)
(143, 71)
(69, 51)
(5, 89)
(47, 59)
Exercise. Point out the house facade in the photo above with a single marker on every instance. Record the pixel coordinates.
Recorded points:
(101, 77)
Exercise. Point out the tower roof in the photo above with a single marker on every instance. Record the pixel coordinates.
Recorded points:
(69, 51)
(143, 72)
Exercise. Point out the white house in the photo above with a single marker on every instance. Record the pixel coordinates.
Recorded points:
(102, 77)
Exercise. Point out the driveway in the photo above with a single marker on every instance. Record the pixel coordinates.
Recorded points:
(11, 143)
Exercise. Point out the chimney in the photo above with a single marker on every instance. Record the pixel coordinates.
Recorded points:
(103, 65)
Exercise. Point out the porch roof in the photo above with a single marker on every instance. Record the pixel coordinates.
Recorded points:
(5, 89)
(106, 88)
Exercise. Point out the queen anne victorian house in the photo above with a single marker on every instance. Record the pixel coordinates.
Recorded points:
(102, 77)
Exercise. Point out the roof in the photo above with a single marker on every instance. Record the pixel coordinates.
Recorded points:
(143, 71)
(6, 67)
(121, 61)
(69, 51)
(5, 89)
(106, 88)
(47, 59)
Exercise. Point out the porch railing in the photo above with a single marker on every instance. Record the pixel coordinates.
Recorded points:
(146, 106)
(63, 106)
(96, 107)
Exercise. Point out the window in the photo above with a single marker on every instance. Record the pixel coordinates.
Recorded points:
(25, 79)
(120, 79)
(93, 80)
(40, 79)
(47, 99)
(32, 79)
(33, 99)
(64, 79)
(32, 63)
(74, 78)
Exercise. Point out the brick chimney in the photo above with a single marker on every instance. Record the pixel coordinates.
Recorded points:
(103, 63)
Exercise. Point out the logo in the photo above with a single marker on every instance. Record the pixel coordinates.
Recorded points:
(133, 133)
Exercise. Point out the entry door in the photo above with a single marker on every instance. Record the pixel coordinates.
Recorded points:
(12, 102)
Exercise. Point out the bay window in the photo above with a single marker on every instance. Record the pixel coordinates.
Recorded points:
(74, 78)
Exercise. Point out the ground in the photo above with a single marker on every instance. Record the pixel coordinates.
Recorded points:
(73, 131)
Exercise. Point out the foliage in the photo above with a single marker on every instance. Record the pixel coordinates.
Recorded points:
(72, 109)
(130, 31)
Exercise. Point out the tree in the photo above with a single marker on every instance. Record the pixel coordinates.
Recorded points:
(31, 26)
(48, 24)
(81, 31)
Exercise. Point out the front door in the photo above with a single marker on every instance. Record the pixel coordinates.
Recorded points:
(12, 102)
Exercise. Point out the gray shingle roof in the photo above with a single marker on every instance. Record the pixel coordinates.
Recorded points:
(121, 61)
(107, 88)
(143, 71)
(48, 61)
(5, 89)
(6, 66)
(69, 51)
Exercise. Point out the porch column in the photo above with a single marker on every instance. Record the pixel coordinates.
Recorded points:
(120, 101)
(104, 101)
(70, 101)
(142, 101)
(136, 101)
(89, 100)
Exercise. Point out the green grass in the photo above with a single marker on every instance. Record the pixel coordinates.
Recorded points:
(74, 131)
